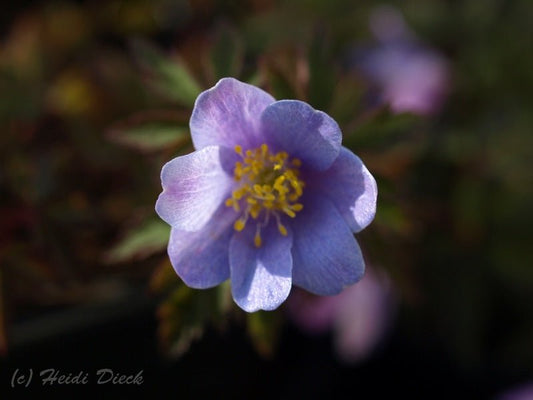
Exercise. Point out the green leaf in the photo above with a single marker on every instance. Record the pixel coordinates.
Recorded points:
(264, 331)
(381, 128)
(164, 277)
(227, 53)
(279, 85)
(149, 238)
(224, 297)
(184, 315)
(322, 74)
(150, 136)
(282, 71)
(170, 77)
(346, 104)
(187, 336)
(391, 218)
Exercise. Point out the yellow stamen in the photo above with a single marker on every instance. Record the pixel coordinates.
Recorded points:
(297, 207)
(255, 209)
(239, 225)
(257, 239)
(270, 186)
(289, 212)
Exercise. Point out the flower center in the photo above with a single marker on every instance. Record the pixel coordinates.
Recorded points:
(270, 188)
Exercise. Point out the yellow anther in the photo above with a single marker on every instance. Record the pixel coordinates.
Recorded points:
(289, 212)
(297, 207)
(269, 187)
(257, 239)
(232, 203)
(269, 197)
(255, 210)
(237, 195)
(239, 225)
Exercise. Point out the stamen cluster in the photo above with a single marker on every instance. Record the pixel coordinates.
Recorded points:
(270, 187)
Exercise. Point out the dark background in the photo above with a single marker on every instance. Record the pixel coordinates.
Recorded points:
(84, 276)
(225, 364)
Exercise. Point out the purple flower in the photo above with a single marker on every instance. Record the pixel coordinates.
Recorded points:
(359, 317)
(269, 198)
(411, 77)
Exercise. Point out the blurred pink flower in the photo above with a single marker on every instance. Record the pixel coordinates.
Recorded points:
(359, 316)
(523, 392)
(410, 76)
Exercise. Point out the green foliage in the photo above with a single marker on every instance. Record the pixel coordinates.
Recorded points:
(169, 77)
(149, 238)
(380, 128)
(322, 74)
(264, 330)
(185, 313)
(151, 136)
(227, 52)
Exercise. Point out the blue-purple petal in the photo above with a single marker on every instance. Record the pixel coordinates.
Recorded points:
(194, 186)
(326, 255)
(260, 277)
(201, 258)
(303, 132)
(351, 188)
(229, 114)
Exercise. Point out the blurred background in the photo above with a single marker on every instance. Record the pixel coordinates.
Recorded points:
(435, 96)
